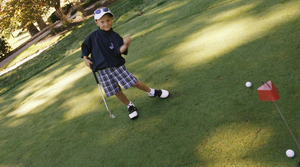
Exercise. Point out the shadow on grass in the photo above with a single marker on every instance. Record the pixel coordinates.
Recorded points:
(211, 118)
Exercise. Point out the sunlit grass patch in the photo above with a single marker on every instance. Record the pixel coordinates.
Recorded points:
(30, 51)
(233, 143)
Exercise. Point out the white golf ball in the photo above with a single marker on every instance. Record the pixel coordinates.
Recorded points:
(290, 153)
(248, 84)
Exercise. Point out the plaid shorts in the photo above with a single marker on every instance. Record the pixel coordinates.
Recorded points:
(110, 79)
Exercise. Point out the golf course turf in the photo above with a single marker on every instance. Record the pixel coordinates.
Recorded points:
(203, 52)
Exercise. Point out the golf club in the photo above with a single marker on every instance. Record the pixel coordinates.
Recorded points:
(110, 114)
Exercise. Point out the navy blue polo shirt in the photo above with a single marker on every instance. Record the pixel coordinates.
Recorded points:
(104, 47)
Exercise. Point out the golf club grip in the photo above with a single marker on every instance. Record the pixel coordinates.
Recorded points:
(96, 78)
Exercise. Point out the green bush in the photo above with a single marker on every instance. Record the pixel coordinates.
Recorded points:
(73, 12)
(87, 3)
(4, 47)
(98, 4)
(66, 8)
(53, 18)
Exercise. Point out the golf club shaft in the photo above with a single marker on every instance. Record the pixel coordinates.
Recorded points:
(103, 98)
(96, 78)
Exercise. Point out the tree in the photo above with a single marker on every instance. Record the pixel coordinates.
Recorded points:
(31, 29)
(22, 14)
(52, 3)
(59, 12)
(4, 47)
(41, 23)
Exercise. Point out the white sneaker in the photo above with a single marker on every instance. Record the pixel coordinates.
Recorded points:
(160, 93)
(133, 112)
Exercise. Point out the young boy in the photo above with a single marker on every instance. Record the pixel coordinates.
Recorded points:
(106, 47)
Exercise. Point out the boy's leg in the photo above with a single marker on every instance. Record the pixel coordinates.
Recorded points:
(151, 92)
(131, 108)
(122, 97)
(109, 79)
(140, 85)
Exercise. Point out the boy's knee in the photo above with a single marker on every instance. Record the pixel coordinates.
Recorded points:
(120, 93)
(136, 84)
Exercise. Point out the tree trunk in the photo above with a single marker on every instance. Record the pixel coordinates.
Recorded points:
(41, 23)
(59, 13)
(32, 29)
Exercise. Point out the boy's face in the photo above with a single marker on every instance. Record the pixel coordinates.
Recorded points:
(105, 22)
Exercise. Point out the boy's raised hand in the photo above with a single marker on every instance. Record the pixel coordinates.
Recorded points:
(125, 46)
(88, 62)
(127, 41)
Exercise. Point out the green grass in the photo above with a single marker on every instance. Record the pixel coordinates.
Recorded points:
(203, 52)
(30, 51)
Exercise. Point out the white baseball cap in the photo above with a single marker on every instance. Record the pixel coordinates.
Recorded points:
(98, 13)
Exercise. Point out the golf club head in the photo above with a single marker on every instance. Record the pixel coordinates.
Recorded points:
(112, 116)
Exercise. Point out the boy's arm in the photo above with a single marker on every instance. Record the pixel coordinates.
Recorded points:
(125, 46)
(86, 50)
(88, 62)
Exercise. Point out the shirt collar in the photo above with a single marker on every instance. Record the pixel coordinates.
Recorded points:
(105, 32)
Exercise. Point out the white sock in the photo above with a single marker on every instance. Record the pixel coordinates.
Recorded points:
(130, 104)
(151, 93)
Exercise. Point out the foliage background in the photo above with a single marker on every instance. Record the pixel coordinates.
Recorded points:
(4, 47)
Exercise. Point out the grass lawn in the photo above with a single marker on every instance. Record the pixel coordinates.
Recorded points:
(33, 49)
(203, 52)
